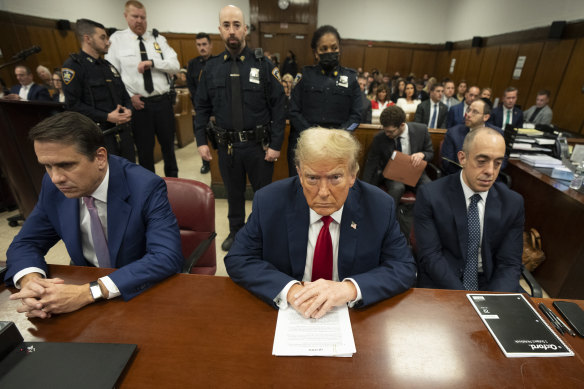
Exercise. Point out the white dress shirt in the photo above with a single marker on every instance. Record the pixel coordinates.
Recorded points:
(404, 139)
(124, 54)
(468, 193)
(313, 232)
(100, 196)
(24, 89)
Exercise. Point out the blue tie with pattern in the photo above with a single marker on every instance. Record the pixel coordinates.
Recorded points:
(470, 276)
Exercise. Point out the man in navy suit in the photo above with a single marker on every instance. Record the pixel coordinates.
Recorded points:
(108, 212)
(476, 117)
(456, 113)
(278, 255)
(508, 113)
(444, 232)
(26, 89)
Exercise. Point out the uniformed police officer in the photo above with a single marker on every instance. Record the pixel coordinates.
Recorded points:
(326, 94)
(93, 87)
(244, 93)
(194, 70)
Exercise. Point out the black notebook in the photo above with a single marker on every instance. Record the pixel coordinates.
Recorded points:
(64, 365)
(517, 327)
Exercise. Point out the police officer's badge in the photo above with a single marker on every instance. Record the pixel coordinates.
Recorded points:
(157, 47)
(254, 75)
(114, 70)
(276, 73)
(297, 78)
(68, 75)
(343, 81)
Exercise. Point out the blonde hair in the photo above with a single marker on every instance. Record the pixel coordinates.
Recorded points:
(319, 144)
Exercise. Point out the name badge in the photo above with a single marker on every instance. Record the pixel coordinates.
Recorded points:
(343, 81)
(254, 75)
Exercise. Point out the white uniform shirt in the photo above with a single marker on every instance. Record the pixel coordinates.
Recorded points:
(124, 54)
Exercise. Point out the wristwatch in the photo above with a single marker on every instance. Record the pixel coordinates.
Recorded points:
(95, 291)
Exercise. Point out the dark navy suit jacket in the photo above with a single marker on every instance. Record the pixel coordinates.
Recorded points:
(35, 93)
(452, 144)
(270, 250)
(440, 225)
(143, 235)
(455, 115)
(496, 118)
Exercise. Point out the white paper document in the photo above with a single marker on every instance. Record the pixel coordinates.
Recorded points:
(329, 336)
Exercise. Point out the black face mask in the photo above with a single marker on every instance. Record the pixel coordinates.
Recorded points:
(328, 61)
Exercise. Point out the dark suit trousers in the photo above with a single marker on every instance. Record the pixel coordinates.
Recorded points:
(396, 189)
(122, 145)
(247, 158)
(157, 118)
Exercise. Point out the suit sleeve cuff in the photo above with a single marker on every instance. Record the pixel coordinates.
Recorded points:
(281, 299)
(111, 287)
(26, 271)
(351, 304)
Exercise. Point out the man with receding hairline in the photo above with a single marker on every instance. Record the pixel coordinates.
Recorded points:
(323, 238)
(468, 227)
(26, 89)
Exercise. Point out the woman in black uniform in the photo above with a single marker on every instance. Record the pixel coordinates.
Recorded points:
(326, 94)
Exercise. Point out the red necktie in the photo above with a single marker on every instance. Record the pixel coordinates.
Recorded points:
(322, 263)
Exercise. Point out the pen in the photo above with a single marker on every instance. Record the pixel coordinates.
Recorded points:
(566, 328)
(550, 315)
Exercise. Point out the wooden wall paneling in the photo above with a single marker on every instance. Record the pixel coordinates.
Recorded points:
(488, 64)
(353, 56)
(300, 46)
(175, 44)
(67, 44)
(462, 58)
(569, 98)
(473, 67)
(398, 60)
(442, 64)
(375, 57)
(504, 70)
(189, 50)
(550, 70)
(423, 61)
(532, 52)
(49, 55)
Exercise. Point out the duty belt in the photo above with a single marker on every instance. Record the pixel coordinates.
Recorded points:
(115, 130)
(226, 137)
(157, 98)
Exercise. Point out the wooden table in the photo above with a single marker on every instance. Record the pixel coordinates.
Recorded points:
(557, 212)
(205, 331)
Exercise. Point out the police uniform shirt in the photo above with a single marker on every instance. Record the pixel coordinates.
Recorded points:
(124, 54)
(330, 100)
(214, 96)
(93, 87)
(194, 70)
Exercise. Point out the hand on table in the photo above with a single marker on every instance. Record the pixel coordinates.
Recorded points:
(315, 299)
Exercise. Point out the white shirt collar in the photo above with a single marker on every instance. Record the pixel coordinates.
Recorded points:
(101, 192)
(337, 215)
(468, 192)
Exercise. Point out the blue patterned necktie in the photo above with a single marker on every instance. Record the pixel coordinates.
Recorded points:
(433, 121)
(470, 276)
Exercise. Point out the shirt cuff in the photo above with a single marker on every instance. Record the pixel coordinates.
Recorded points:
(281, 299)
(16, 278)
(111, 287)
(351, 304)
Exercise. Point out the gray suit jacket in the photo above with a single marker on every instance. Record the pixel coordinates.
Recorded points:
(543, 117)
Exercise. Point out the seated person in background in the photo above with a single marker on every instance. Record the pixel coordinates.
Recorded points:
(461, 90)
(400, 90)
(45, 76)
(433, 112)
(409, 138)
(540, 113)
(26, 89)
(324, 227)
(469, 228)
(380, 102)
(476, 117)
(109, 212)
(409, 103)
(448, 98)
(507, 113)
(486, 93)
(59, 95)
(366, 109)
(456, 113)
(421, 94)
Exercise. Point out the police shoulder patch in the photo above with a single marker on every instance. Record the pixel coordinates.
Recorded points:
(68, 75)
(276, 73)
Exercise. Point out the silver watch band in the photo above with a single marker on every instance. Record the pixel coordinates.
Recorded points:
(95, 291)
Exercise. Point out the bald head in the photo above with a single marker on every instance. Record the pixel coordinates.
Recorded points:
(482, 155)
(232, 28)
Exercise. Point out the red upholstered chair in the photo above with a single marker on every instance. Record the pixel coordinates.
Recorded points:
(193, 204)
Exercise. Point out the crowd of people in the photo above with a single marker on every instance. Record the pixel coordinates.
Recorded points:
(318, 239)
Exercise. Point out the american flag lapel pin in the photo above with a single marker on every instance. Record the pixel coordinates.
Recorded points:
(354, 225)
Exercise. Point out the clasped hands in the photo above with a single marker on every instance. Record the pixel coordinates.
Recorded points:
(315, 299)
(42, 297)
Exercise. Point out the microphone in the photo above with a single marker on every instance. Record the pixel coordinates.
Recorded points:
(27, 52)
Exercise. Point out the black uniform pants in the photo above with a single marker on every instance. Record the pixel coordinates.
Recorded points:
(247, 158)
(122, 146)
(156, 118)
